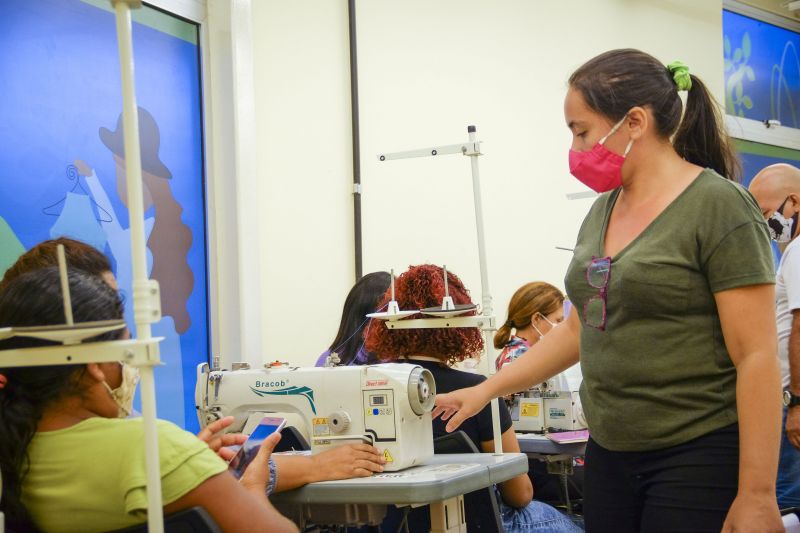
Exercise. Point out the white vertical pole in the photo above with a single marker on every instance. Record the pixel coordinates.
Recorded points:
(65, 296)
(133, 171)
(486, 296)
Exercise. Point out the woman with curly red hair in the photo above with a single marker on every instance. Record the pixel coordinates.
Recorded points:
(437, 350)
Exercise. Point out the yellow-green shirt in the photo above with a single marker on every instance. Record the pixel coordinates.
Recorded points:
(91, 476)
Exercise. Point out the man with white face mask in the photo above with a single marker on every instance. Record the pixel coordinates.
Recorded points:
(777, 191)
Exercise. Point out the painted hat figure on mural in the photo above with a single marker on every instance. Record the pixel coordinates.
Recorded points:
(149, 138)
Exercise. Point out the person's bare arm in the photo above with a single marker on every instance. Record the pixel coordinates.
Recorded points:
(239, 506)
(343, 462)
(747, 317)
(792, 427)
(556, 352)
(517, 491)
(233, 507)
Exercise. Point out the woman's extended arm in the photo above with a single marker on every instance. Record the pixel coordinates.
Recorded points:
(239, 506)
(747, 317)
(556, 352)
(343, 462)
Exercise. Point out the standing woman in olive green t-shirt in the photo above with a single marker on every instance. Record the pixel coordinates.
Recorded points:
(672, 283)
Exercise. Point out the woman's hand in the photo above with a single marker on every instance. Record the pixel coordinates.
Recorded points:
(751, 512)
(83, 168)
(457, 406)
(256, 476)
(219, 442)
(348, 461)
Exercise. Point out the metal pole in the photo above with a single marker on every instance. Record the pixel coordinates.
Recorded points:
(354, 120)
(486, 296)
(133, 171)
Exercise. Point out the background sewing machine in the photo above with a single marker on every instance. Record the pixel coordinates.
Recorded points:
(542, 408)
(387, 405)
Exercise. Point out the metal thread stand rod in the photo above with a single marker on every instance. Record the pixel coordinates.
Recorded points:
(486, 295)
(65, 295)
(472, 150)
(133, 171)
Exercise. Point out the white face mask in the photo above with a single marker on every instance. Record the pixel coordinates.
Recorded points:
(548, 321)
(123, 395)
(782, 229)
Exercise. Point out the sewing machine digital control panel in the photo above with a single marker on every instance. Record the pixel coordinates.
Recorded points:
(379, 414)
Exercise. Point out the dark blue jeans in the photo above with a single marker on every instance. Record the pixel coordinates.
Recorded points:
(788, 485)
(688, 487)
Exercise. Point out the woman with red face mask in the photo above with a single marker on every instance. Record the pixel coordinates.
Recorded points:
(672, 283)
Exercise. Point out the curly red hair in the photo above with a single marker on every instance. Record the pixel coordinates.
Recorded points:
(423, 286)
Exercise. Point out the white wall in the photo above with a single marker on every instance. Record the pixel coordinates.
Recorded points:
(302, 84)
(427, 70)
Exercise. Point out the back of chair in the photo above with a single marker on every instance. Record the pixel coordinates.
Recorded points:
(192, 520)
(455, 442)
(291, 440)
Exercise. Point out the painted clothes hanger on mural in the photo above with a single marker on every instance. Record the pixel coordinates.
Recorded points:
(73, 175)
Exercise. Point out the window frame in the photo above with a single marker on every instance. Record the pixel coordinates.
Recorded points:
(753, 130)
(233, 257)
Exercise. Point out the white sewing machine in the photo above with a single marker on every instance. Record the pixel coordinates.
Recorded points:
(386, 405)
(539, 408)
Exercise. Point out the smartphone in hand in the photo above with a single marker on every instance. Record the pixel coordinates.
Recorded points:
(249, 449)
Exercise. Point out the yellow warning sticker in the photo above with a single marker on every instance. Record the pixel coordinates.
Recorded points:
(388, 456)
(321, 427)
(529, 409)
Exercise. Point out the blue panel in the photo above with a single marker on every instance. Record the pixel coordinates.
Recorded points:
(762, 70)
(61, 100)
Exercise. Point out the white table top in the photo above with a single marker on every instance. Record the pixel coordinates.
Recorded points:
(444, 476)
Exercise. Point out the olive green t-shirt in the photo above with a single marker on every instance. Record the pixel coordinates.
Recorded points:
(91, 476)
(659, 374)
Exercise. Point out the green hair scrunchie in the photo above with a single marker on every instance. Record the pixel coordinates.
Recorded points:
(680, 73)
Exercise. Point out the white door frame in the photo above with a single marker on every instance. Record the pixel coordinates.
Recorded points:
(233, 252)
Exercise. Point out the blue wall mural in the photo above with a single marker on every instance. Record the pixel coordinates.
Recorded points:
(62, 163)
(762, 70)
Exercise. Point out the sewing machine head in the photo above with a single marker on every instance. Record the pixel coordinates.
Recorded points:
(387, 405)
(541, 408)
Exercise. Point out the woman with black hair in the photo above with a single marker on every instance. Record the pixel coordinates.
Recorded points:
(69, 463)
(362, 299)
(672, 283)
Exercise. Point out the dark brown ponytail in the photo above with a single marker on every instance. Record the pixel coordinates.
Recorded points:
(701, 137)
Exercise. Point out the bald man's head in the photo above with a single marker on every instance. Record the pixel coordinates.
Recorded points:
(777, 191)
(773, 184)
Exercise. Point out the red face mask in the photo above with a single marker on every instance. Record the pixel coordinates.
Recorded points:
(599, 169)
